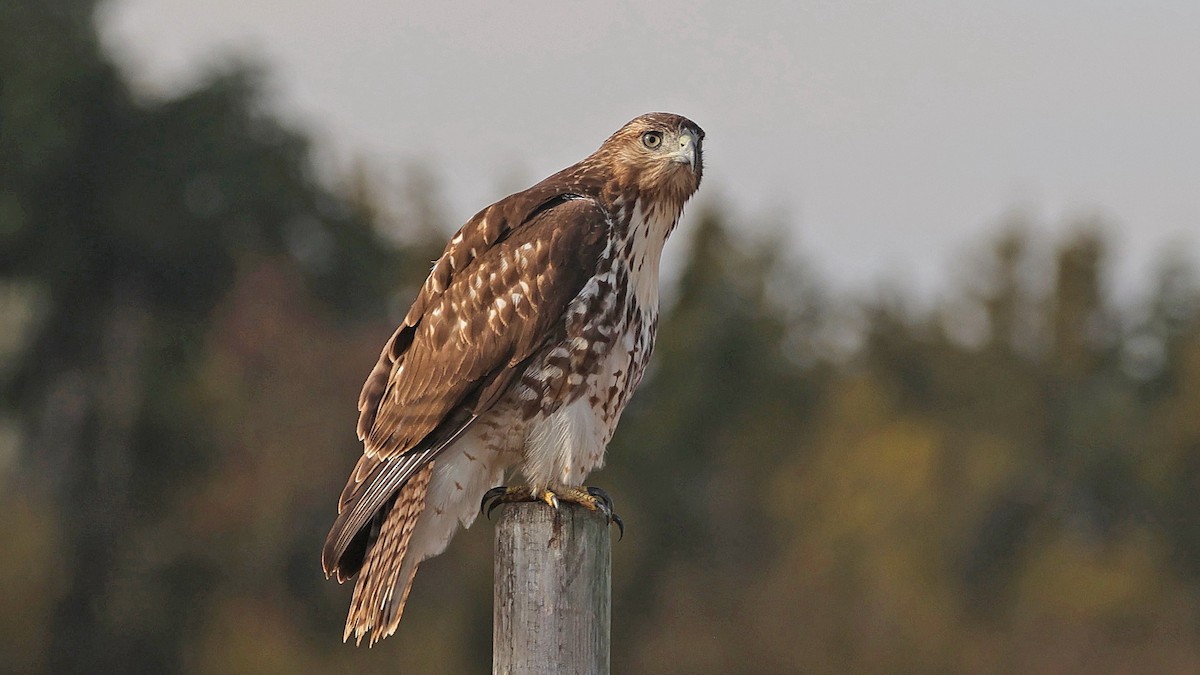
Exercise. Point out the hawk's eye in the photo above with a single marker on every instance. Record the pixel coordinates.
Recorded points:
(652, 139)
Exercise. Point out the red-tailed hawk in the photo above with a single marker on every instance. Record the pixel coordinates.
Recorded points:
(521, 350)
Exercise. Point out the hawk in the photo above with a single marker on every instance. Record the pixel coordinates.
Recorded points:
(521, 350)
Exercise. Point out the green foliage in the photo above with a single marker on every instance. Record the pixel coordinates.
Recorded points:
(1006, 482)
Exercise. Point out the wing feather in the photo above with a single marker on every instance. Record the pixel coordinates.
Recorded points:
(459, 349)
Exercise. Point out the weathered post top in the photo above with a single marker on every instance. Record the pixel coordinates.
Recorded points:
(553, 591)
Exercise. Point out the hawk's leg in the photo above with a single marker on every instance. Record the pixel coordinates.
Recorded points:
(590, 498)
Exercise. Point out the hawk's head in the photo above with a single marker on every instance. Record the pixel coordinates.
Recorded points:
(659, 156)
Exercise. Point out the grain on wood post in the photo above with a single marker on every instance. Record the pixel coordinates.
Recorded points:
(553, 591)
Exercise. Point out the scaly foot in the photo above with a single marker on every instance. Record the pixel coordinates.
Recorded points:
(590, 498)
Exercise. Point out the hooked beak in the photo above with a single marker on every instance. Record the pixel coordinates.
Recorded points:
(686, 152)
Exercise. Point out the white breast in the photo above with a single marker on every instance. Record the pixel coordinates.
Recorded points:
(649, 234)
(563, 446)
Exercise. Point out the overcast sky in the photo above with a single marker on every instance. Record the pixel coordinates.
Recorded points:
(889, 137)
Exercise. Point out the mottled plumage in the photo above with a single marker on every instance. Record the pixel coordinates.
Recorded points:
(521, 350)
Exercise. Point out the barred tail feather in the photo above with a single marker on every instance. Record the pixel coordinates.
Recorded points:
(442, 496)
(374, 609)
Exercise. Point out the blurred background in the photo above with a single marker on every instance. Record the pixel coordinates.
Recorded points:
(926, 396)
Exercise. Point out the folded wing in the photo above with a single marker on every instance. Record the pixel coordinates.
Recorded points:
(497, 295)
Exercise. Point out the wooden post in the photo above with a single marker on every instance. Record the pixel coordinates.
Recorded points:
(553, 591)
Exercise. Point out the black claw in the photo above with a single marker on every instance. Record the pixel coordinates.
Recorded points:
(602, 495)
(493, 494)
(606, 506)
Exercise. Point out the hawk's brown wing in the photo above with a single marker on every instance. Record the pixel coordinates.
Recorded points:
(497, 294)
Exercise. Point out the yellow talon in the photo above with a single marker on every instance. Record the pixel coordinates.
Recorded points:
(590, 498)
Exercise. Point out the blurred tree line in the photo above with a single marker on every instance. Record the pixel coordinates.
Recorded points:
(1006, 482)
